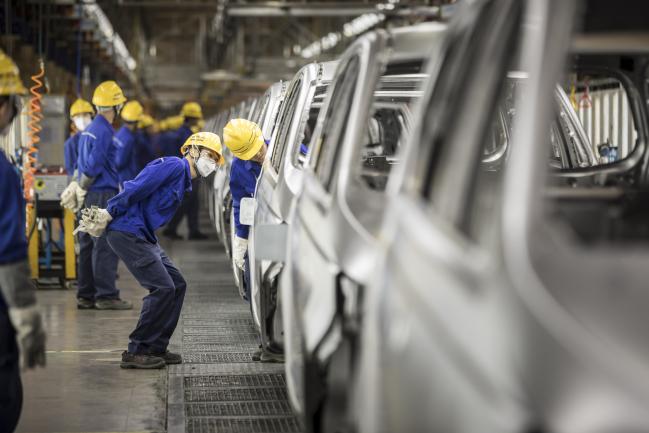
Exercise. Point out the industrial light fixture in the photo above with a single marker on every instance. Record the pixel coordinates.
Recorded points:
(350, 30)
(125, 61)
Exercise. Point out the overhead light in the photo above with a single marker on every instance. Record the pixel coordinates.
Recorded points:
(125, 61)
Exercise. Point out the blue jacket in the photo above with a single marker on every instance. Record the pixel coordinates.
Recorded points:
(71, 153)
(171, 141)
(150, 200)
(144, 152)
(125, 161)
(13, 242)
(243, 180)
(97, 155)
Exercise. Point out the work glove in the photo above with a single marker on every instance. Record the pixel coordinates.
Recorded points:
(94, 221)
(69, 196)
(30, 335)
(80, 196)
(239, 248)
(19, 294)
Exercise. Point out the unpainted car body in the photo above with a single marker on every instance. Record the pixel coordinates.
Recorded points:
(490, 309)
(334, 224)
(279, 183)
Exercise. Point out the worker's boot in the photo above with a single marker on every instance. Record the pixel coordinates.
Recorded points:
(143, 361)
(267, 356)
(197, 236)
(112, 304)
(169, 357)
(85, 304)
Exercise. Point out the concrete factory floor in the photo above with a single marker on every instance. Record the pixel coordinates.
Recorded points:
(218, 388)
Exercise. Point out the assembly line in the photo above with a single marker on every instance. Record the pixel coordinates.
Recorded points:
(442, 229)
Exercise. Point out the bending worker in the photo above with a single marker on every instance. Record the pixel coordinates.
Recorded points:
(81, 113)
(125, 142)
(22, 339)
(96, 184)
(130, 220)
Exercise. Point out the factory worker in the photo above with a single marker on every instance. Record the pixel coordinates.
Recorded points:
(22, 339)
(192, 115)
(81, 113)
(245, 140)
(145, 138)
(129, 223)
(96, 183)
(125, 142)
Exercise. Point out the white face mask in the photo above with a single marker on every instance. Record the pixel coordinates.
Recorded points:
(205, 166)
(81, 122)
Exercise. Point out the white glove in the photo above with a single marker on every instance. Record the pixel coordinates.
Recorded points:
(239, 248)
(69, 196)
(94, 221)
(81, 196)
(29, 335)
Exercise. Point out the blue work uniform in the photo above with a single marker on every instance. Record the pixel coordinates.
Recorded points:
(97, 263)
(171, 141)
(71, 153)
(243, 181)
(13, 248)
(125, 160)
(190, 205)
(144, 152)
(146, 203)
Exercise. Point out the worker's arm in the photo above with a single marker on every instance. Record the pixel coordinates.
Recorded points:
(100, 146)
(70, 154)
(124, 152)
(149, 180)
(242, 184)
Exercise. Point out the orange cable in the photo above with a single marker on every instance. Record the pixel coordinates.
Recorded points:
(35, 128)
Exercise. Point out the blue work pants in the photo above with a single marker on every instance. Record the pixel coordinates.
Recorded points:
(11, 390)
(97, 263)
(161, 307)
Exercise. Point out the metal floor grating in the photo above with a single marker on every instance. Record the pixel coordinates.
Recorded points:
(218, 388)
(239, 409)
(223, 339)
(268, 425)
(236, 380)
(250, 347)
(235, 394)
(217, 357)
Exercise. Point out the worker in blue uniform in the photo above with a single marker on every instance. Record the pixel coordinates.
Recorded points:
(22, 339)
(96, 184)
(192, 115)
(81, 113)
(130, 221)
(145, 137)
(126, 143)
(244, 138)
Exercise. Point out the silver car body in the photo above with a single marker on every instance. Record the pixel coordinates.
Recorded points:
(503, 333)
(279, 183)
(334, 225)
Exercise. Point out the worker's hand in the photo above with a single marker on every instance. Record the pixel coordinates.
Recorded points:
(94, 221)
(239, 248)
(81, 196)
(30, 335)
(69, 196)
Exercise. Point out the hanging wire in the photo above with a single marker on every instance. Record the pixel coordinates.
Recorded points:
(79, 39)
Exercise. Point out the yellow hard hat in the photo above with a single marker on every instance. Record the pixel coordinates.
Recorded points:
(10, 82)
(81, 106)
(206, 140)
(108, 94)
(175, 122)
(132, 111)
(145, 121)
(243, 138)
(191, 109)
